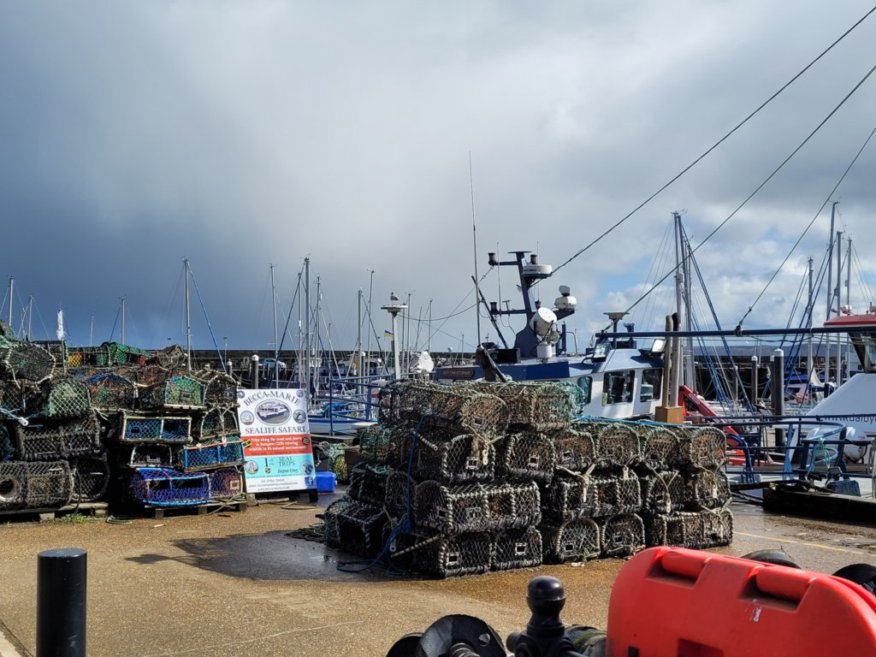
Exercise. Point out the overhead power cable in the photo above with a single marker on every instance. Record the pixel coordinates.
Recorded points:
(717, 143)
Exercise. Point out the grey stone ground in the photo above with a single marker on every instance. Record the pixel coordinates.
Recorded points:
(234, 583)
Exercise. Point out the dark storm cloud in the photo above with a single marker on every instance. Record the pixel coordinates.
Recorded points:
(244, 134)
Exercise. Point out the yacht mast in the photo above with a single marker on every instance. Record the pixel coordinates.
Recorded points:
(307, 326)
(679, 287)
(11, 288)
(122, 312)
(839, 276)
(276, 343)
(188, 320)
(848, 303)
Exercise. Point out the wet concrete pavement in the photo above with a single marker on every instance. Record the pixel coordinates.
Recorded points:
(233, 582)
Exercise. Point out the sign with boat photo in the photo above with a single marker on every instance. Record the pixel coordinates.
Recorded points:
(277, 451)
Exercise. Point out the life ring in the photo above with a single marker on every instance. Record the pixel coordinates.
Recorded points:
(11, 490)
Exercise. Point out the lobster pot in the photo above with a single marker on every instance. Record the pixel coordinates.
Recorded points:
(221, 390)
(355, 527)
(536, 406)
(619, 494)
(618, 444)
(701, 447)
(476, 507)
(663, 492)
(696, 530)
(517, 548)
(462, 459)
(527, 456)
(436, 408)
(215, 423)
(67, 399)
(622, 535)
(399, 499)
(375, 443)
(115, 353)
(576, 449)
(47, 484)
(25, 361)
(706, 489)
(12, 395)
(226, 484)
(150, 375)
(570, 498)
(91, 476)
(659, 447)
(574, 540)
(155, 429)
(176, 392)
(44, 442)
(368, 483)
(148, 455)
(209, 456)
(13, 485)
(167, 487)
(111, 392)
(448, 556)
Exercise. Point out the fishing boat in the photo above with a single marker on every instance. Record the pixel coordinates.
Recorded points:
(618, 378)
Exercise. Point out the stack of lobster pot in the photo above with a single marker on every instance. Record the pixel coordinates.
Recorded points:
(50, 448)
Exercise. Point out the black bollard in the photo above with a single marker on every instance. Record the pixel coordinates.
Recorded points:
(61, 589)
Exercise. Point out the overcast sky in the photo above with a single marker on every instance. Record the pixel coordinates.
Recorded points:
(241, 134)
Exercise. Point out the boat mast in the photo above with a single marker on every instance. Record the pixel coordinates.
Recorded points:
(679, 287)
(829, 290)
(810, 308)
(317, 346)
(29, 316)
(122, 312)
(188, 320)
(474, 238)
(839, 277)
(11, 288)
(276, 343)
(848, 304)
(307, 326)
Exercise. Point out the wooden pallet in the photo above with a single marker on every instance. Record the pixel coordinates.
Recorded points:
(159, 512)
(94, 509)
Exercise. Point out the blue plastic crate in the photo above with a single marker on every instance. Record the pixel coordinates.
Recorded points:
(326, 482)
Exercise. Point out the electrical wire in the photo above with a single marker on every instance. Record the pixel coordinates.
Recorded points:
(719, 142)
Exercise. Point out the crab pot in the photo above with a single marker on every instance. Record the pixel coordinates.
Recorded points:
(617, 495)
(221, 390)
(701, 447)
(176, 392)
(355, 527)
(535, 406)
(663, 492)
(399, 499)
(209, 456)
(66, 399)
(375, 442)
(476, 507)
(148, 456)
(27, 361)
(464, 458)
(618, 444)
(13, 485)
(368, 483)
(7, 443)
(167, 487)
(516, 548)
(622, 535)
(436, 408)
(706, 489)
(659, 448)
(576, 449)
(47, 484)
(697, 529)
(447, 556)
(116, 353)
(574, 540)
(111, 392)
(226, 484)
(569, 498)
(44, 442)
(215, 423)
(155, 429)
(529, 456)
(91, 476)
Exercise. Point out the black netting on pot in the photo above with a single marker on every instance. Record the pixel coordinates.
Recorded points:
(536, 406)
(431, 407)
(375, 442)
(691, 529)
(13, 485)
(659, 447)
(7, 443)
(617, 494)
(27, 361)
(47, 484)
(48, 441)
(111, 392)
(445, 556)
(569, 497)
(701, 447)
(399, 499)
(527, 456)
(463, 458)
(66, 399)
(175, 392)
(475, 507)
(154, 429)
(574, 540)
(618, 444)
(91, 476)
(622, 535)
(355, 527)
(220, 390)
(576, 448)
(368, 483)
(517, 548)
